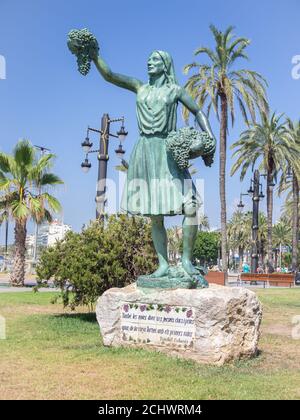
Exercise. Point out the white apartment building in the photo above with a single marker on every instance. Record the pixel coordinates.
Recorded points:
(57, 232)
(30, 240)
(49, 233)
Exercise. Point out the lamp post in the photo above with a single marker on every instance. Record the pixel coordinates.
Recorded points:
(6, 238)
(6, 231)
(256, 196)
(103, 156)
(42, 150)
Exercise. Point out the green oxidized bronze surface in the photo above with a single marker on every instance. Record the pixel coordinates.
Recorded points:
(165, 186)
(188, 143)
(83, 44)
(175, 278)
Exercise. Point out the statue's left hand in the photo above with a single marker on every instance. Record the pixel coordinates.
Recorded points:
(208, 160)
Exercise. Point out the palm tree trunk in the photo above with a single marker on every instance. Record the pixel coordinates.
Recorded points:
(241, 257)
(18, 272)
(263, 253)
(222, 180)
(280, 254)
(270, 217)
(295, 224)
(260, 253)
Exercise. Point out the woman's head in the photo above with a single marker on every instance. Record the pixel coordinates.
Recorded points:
(160, 62)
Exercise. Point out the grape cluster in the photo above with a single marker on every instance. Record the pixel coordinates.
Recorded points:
(84, 64)
(84, 45)
(178, 143)
(188, 143)
(209, 145)
(208, 149)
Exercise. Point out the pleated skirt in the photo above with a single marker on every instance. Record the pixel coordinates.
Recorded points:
(155, 185)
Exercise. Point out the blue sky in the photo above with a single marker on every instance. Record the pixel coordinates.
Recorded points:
(45, 99)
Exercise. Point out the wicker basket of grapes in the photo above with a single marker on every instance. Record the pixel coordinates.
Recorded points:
(188, 143)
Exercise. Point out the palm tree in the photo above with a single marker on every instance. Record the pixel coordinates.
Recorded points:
(221, 87)
(262, 235)
(123, 167)
(290, 181)
(281, 237)
(20, 176)
(269, 142)
(174, 243)
(287, 209)
(203, 222)
(4, 217)
(239, 234)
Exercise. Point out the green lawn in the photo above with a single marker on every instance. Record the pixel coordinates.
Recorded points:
(52, 353)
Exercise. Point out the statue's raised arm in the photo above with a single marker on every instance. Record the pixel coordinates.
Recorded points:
(117, 79)
(84, 45)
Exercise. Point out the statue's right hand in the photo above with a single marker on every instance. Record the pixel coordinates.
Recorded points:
(85, 46)
(94, 50)
(82, 41)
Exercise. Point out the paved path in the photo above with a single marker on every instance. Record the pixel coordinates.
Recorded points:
(5, 286)
(25, 289)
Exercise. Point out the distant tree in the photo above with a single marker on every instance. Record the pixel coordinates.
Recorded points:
(269, 144)
(174, 243)
(203, 222)
(239, 234)
(262, 235)
(291, 184)
(21, 175)
(111, 254)
(206, 247)
(282, 236)
(221, 85)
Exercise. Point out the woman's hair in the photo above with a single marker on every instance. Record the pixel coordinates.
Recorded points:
(168, 65)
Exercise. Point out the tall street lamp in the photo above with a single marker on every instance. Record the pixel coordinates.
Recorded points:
(103, 156)
(256, 196)
(5, 217)
(42, 150)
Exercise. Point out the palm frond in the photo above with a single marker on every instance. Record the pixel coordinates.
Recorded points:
(19, 210)
(4, 163)
(36, 206)
(52, 202)
(272, 142)
(4, 182)
(188, 67)
(50, 179)
(46, 162)
(24, 153)
(208, 52)
(47, 216)
(243, 87)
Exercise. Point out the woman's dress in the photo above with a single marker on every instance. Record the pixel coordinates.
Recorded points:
(155, 185)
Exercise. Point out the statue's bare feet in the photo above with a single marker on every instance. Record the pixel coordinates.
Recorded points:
(189, 267)
(161, 271)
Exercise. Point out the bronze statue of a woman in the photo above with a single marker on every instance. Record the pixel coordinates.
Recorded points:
(156, 186)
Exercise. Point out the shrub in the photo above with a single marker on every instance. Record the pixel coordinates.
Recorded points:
(103, 255)
(206, 247)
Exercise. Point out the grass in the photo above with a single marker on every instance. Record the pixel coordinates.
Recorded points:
(51, 353)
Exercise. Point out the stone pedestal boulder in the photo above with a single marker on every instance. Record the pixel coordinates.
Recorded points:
(214, 325)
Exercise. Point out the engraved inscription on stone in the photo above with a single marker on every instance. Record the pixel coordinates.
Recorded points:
(170, 326)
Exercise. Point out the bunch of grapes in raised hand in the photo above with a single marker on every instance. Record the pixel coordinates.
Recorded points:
(84, 45)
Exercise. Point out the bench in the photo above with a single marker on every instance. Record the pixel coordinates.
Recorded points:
(215, 277)
(273, 279)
